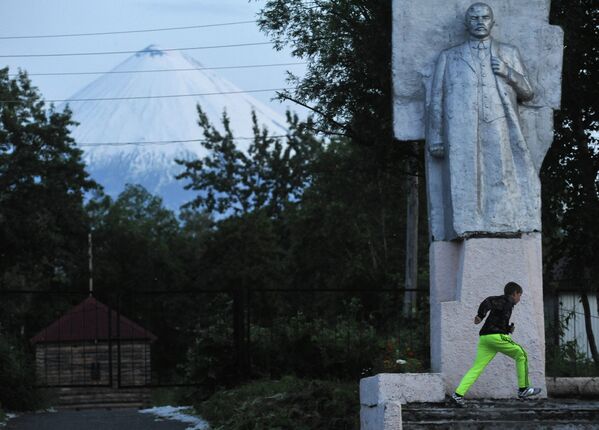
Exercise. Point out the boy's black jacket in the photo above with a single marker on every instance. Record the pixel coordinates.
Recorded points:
(498, 320)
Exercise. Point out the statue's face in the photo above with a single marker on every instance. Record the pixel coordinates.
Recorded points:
(479, 21)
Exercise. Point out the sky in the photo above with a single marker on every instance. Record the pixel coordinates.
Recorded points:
(53, 17)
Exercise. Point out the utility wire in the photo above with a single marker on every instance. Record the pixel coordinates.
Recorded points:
(73, 54)
(103, 33)
(164, 142)
(247, 66)
(155, 97)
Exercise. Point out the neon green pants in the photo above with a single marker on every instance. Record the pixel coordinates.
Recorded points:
(488, 346)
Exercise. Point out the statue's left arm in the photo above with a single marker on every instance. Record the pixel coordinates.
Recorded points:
(517, 77)
(514, 73)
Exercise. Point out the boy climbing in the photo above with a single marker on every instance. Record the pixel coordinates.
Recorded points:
(495, 337)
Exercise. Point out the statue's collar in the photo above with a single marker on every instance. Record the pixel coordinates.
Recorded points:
(475, 43)
(476, 39)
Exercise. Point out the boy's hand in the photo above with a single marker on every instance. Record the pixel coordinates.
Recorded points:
(477, 320)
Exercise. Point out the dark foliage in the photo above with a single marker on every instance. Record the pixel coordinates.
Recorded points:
(43, 227)
(286, 403)
(17, 377)
(570, 174)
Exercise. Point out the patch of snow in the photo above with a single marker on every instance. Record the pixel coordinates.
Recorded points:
(176, 413)
(8, 416)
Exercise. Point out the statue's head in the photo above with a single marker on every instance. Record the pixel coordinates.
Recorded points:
(479, 20)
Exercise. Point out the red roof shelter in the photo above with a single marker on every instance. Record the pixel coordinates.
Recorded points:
(92, 345)
(88, 321)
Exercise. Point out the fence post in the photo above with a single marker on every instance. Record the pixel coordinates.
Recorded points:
(110, 362)
(118, 340)
(240, 334)
(248, 339)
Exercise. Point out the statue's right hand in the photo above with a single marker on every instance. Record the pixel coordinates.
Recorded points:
(437, 150)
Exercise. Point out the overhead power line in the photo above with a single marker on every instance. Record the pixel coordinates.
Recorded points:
(166, 96)
(74, 54)
(246, 66)
(104, 33)
(163, 142)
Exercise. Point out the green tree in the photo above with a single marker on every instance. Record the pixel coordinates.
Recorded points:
(269, 176)
(348, 86)
(142, 254)
(570, 171)
(348, 230)
(135, 242)
(43, 225)
(347, 45)
(42, 184)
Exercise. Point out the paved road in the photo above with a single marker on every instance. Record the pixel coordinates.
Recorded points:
(101, 419)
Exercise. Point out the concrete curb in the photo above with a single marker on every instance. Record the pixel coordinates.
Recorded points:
(573, 387)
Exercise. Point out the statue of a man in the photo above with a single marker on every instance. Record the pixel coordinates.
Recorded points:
(474, 135)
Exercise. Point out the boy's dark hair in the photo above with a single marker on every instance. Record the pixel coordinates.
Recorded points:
(511, 288)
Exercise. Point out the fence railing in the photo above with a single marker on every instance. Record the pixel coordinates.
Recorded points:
(203, 337)
(568, 346)
(198, 337)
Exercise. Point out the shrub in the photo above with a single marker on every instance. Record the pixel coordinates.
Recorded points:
(347, 345)
(288, 403)
(17, 378)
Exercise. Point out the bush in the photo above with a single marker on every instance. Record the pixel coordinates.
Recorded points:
(288, 403)
(313, 348)
(348, 345)
(211, 357)
(17, 378)
(566, 360)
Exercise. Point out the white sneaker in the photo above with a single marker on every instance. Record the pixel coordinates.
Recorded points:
(457, 400)
(527, 392)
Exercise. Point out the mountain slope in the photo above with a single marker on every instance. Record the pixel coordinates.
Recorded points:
(105, 125)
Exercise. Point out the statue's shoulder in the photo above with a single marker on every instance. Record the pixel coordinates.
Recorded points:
(450, 52)
(454, 49)
(505, 47)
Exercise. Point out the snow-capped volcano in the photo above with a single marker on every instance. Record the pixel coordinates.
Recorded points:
(105, 125)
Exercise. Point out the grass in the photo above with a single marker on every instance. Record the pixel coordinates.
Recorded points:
(164, 397)
(287, 403)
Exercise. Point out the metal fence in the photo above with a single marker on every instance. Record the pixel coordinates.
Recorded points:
(568, 346)
(204, 337)
(198, 337)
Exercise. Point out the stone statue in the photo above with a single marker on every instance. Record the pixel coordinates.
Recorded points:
(473, 132)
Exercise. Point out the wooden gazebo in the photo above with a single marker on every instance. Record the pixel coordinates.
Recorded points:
(92, 345)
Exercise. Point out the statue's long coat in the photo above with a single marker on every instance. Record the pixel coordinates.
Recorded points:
(453, 121)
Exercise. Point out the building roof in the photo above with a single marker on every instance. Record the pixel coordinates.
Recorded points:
(89, 321)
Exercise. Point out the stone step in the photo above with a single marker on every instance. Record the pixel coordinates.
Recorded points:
(498, 414)
(100, 390)
(105, 396)
(501, 425)
(504, 415)
(103, 399)
(81, 406)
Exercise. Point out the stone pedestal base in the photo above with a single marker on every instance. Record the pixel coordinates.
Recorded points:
(386, 416)
(381, 397)
(462, 275)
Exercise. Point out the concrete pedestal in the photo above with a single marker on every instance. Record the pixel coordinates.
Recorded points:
(385, 416)
(462, 275)
(382, 395)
